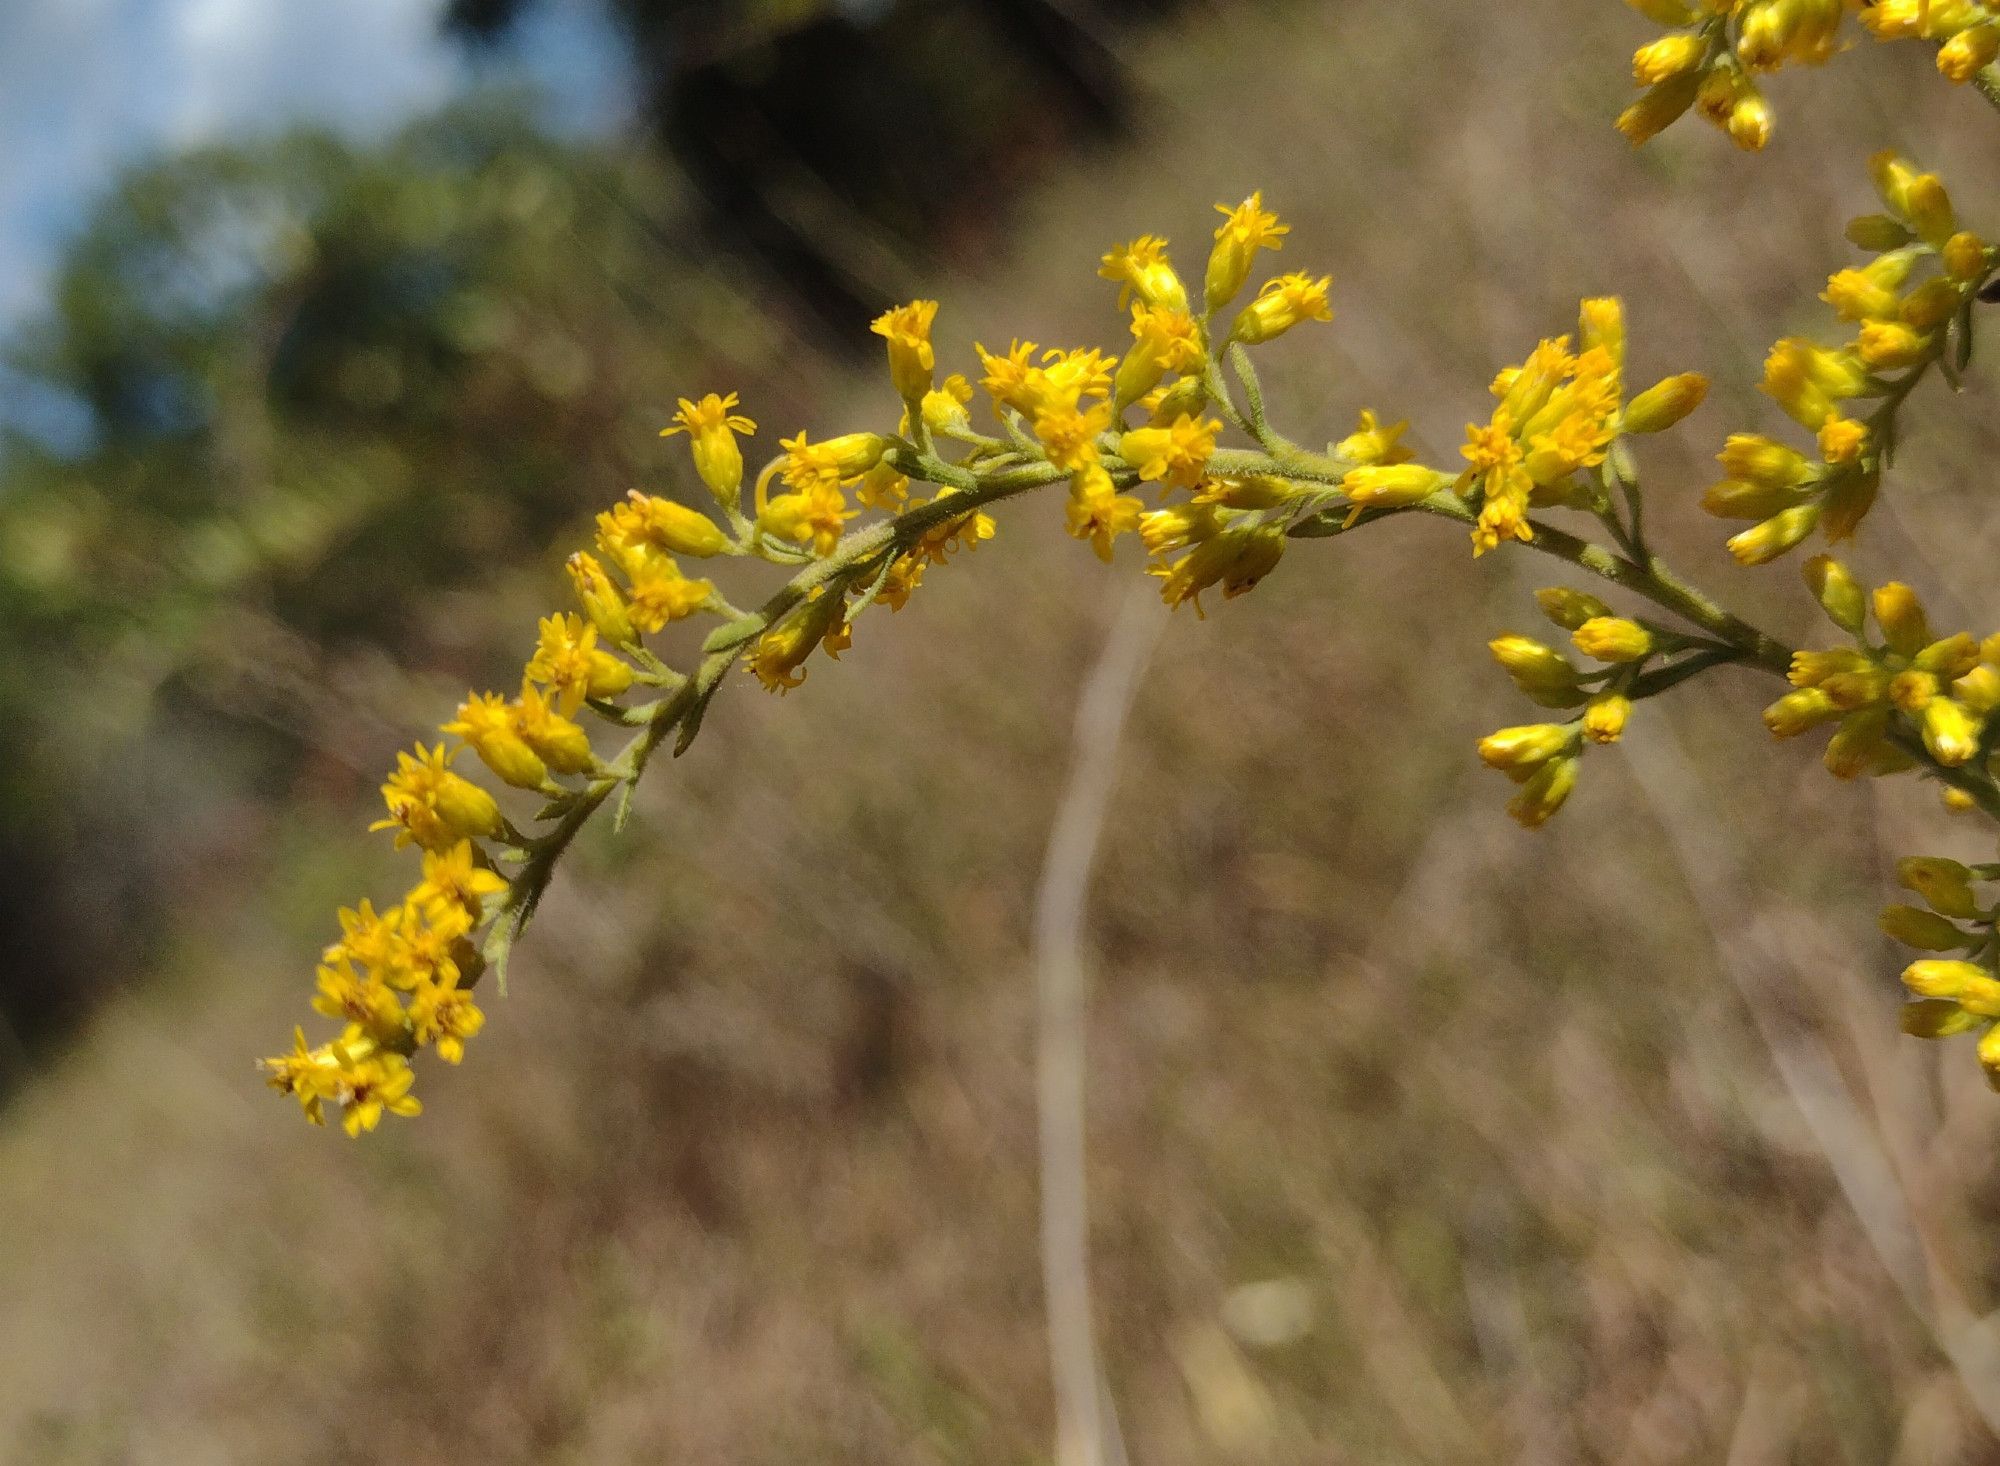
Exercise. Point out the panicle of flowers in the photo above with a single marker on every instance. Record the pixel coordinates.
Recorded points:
(399, 981)
(1897, 692)
(1714, 50)
(1557, 416)
(1910, 309)
(1957, 988)
(1169, 440)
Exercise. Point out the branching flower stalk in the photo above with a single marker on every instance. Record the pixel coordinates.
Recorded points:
(1183, 413)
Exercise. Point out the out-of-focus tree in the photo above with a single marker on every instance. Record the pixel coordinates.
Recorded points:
(844, 142)
(308, 388)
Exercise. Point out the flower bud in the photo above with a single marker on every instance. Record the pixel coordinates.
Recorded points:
(1604, 720)
(1965, 257)
(1979, 689)
(1860, 747)
(1969, 52)
(1282, 304)
(1796, 712)
(1839, 594)
(1669, 56)
(1934, 977)
(1930, 305)
(1568, 608)
(1901, 616)
(487, 723)
(1660, 406)
(1924, 930)
(1889, 345)
(1539, 670)
(907, 329)
(1660, 108)
(1928, 208)
(1394, 485)
(1945, 885)
(1951, 733)
(601, 600)
(1849, 496)
(1543, 794)
(1876, 232)
(672, 527)
(1765, 462)
(1613, 639)
(1526, 746)
(1763, 543)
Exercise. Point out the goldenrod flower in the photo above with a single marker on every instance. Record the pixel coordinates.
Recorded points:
(1543, 793)
(1245, 229)
(1392, 485)
(1141, 268)
(567, 660)
(1162, 341)
(1098, 512)
(1887, 345)
(1569, 608)
(1371, 444)
(837, 461)
(907, 329)
(431, 806)
(777, 658)
(1069, 436)
(444, 1016)
(648, 522)
(1282, 304)
(602, 601)
(1177, 527)
(1842, 439)
(453, 878)
(1669, 56)
(883, 487)
(1175, 455)
(1234, 558)
(661, 594)
(1613, 639)
(944, 408)
(488, 722)
(1660, 108)
(380, 1083)
(561, 744)
(817, 516)
(712, 426)
(906, 573)
(358, 997)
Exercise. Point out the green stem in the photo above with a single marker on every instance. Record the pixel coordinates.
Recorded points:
(1987, 80)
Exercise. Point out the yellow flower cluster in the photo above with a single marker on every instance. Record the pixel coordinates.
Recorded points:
(1910, 306)
(397, 981)
(1959, 993)
(1636, 659)
(1715, 49)
(1911, 692)
(1557, 414)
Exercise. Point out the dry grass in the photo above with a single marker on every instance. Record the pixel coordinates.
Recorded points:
(744, 1171)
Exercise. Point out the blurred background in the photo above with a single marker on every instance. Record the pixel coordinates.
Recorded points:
(323, 332)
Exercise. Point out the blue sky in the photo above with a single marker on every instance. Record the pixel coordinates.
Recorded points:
(87, 85)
